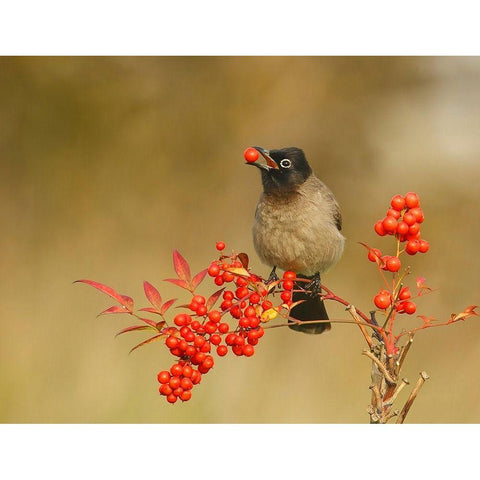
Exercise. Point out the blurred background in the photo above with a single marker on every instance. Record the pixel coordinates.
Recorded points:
(108, 164)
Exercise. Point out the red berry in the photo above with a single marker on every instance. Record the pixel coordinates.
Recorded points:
(222, 350)
(423, 246)
(409, 307)
(180, 319)
(174, 382)
(402, 228)
(414, 229)
(235, 311)
(186, 383)
(389, 224)
(404, 293)
(201, 310)
(215, 316)
(228, 295)
(374, 254)
(393, 264)
(176, 370)
(391, 212)
(244, 322)
(200, 299)
(219, 280)
(178, 391)
(378, 227)
(187, 371)
(228, 276)
(210, 327)
(172, 342)
(241, 292)
(250, 155)
(409, 218)
(186, 395)
(267, 304)
(417, 212)
(220, 246)
(163, 376)
(223, 327)
(289, 275)
(398, 203)
(205, 348)
(237, 350)
(208, 362)
(254, 298)
(381, 301)
(215, 339)
(248, 350)
(412, 247)
(250, 312)
(196, 377)
(288, 284)
(171, 398)
(165, 389)
(254, 322)
(213, 270)
(411, 200)
(286, 295)
(231, 338)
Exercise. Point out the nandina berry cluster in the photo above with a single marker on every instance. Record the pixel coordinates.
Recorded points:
(205, 330)
(402, 220)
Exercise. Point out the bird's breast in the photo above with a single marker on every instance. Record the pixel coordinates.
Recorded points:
(296, 233)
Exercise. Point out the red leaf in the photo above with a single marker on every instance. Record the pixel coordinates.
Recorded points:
(150, 310)
(147, 320)
(213, 299)
(128, 302)
(243, 257)
(181, 267)
(167, 305)
(197, 279)
(149, 340)
(153, 295)
(134, 327)
(160, 325)
(420, 282)
(179, 283)
(115, 309)
(108, 291)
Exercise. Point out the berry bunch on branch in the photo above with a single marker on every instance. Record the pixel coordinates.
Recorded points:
(244, 306)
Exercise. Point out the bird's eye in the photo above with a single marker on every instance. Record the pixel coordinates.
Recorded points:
(285, 163)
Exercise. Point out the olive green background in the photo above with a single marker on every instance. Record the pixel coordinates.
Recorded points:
(108, 164)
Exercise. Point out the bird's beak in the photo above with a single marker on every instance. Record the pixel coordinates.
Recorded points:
(271, 164)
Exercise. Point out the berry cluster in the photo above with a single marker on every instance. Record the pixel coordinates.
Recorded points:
(402, 220)
(204, 329)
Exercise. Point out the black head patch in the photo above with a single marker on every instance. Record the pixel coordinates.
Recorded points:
(293, 169)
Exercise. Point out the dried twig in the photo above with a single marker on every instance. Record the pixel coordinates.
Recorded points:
(381, 366)
(403, 354)
(413, 395)
(353, 312)
(402, 385)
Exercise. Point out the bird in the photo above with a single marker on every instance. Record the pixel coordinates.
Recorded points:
(297, 228)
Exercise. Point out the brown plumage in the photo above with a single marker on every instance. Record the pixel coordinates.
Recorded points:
(297, 226)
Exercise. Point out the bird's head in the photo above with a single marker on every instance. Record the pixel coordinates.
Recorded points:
(285, 168)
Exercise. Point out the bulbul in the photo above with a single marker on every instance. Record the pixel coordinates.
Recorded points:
(297, 227)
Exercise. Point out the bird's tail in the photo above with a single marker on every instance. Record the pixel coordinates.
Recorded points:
(312, 308)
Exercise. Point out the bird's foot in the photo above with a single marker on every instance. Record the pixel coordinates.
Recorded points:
(273, 277)
(315, 286)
